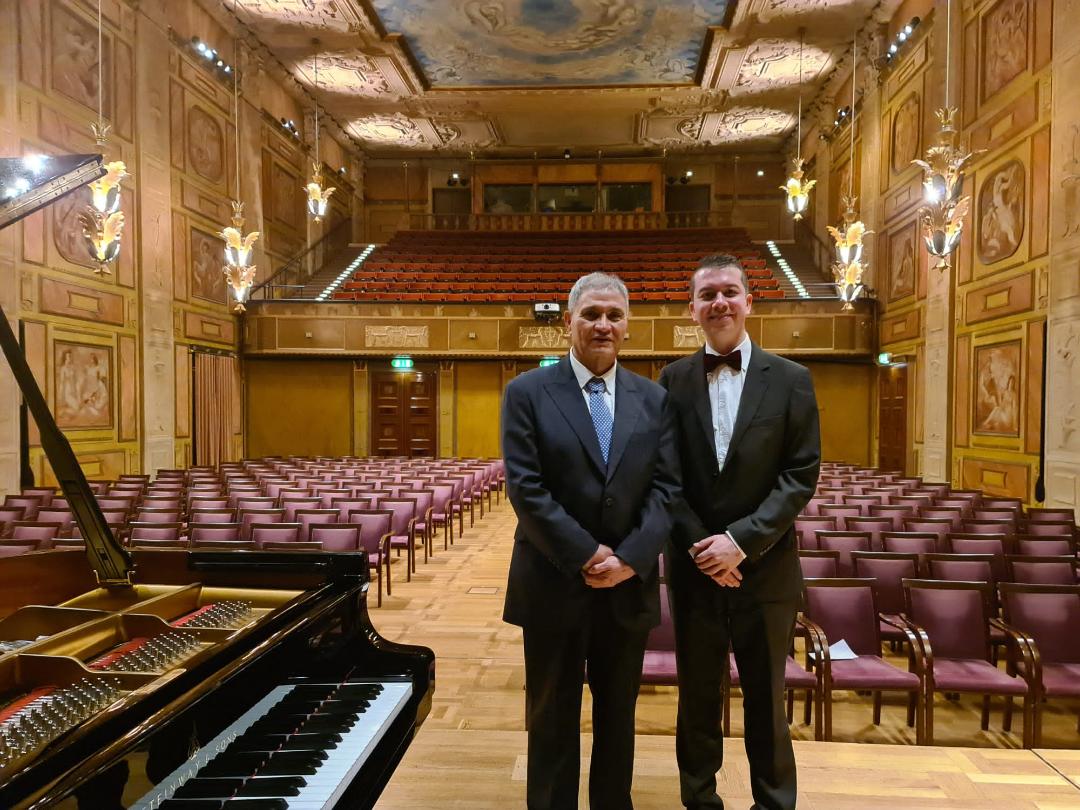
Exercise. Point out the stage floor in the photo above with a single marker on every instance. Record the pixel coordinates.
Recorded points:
(470, 753)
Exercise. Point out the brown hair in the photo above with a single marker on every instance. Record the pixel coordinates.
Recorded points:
(716, 261)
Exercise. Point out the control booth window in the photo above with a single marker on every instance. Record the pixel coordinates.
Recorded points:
(508, 199)
(632, 197)
(565, 197)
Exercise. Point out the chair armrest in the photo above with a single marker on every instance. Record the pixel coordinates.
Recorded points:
(384, 545)
(816, 643)
(1029, 652)
(917, 655)
(923, 648)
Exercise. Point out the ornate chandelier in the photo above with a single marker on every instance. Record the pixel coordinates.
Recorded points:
(239, 270)
(944, 208)
(102, 220)
(798, 190)
(318, 197)
(848, 269)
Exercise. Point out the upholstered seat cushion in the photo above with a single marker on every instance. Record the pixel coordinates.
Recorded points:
(795, 677)
(952, 675)
(1061, 680)
(658, 667)
(871, 672)
(399, 541)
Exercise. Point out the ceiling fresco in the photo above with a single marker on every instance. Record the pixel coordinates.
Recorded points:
(516, 78)
(501, 43)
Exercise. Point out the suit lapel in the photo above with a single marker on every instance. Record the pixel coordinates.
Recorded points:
(567, 395)
(627, 411)
(699, 395)
(757, 383)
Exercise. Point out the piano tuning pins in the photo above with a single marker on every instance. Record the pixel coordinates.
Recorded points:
(42, 720)
(155, 654)
(222, 615)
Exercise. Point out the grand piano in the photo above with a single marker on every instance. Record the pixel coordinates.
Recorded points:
(187, 680)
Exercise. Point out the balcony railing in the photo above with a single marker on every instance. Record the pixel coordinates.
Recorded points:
(571, 221)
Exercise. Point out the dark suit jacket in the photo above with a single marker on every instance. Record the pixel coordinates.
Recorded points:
(770, 472)
(567, 500)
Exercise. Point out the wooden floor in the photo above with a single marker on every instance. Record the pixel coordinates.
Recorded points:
(470, 752)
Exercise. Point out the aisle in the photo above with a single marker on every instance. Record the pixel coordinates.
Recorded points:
(470, 753)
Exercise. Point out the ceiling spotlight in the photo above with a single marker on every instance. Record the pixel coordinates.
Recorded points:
(686, 177)
(760, 172)
(342, 171)
(453, 179)
(566, 154)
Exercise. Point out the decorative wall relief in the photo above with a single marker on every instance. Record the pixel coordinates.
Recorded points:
(1005, 45)
(82, 383)
(688, 337)
(1070, 182)
(75, 59)
(902, 258)
(905, 134)
(67, 232)
(997, 389)
(285, 195)
(206, 145)
(396, 337)
(542, 337)
(207, 275)
(1002, 200)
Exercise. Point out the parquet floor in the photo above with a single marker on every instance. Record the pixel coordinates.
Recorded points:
(470, 752)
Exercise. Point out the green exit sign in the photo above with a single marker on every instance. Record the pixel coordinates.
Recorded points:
(402, 363)
(548, 361)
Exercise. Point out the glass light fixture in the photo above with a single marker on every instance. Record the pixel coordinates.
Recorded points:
(102, 220)
(239, 269)
(944, 208)
(798, 190)
(318, 197)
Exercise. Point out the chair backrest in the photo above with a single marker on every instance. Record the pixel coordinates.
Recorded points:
(34, 530)
(207, 532)
(1039, 514)
(336, 536)
(425, 499)
(293, 545)
(997, 545)
(1049, 614)
(844, 543)
(1058, 528)
(872, 526)
(841, 512)
(9, 549)
(252, 502)
(442, 494)
(208, 502)
(236, 545)
(818, 564)
(919, 502)
(806, 527)
(51, 514)
(985, 512)
(157, 515)
(953, 514)
(262, 533)
(845, 609)
(212, 516)
(939, 526)
(309, 517)
(346, 504)
(909, 542)
(888, 570)
(988, 527)
(152, 542)
(896, 513)
(960, 567)
(162, 502)
(292, 504)
(963, 504)
(154, 531)
(246, 517)
(374, 525)
(862, 500)
(1043, 570)
(45, 494)
(955, 616)
(30, 504)
(330, 494)
(404, 510)
(662, 637)
(1042, 546)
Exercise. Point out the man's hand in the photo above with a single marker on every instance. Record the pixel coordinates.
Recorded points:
(716, 555)
(729, 579)
(602, 553)
(608, 573)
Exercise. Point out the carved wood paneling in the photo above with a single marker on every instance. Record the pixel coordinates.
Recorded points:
(1007, 479)
(999, 300)
(82, 302)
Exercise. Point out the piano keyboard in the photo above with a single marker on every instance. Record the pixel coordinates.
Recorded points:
(298, 748)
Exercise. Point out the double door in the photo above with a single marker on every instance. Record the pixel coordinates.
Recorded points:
(404, 413)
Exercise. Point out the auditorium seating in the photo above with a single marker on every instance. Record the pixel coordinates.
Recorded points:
(481, 266)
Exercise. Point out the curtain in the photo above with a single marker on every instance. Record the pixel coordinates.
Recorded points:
(216, 417)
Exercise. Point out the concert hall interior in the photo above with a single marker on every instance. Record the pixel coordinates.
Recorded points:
(267, 268)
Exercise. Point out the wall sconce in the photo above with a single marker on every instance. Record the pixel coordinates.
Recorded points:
(901, 39)
(455, 179)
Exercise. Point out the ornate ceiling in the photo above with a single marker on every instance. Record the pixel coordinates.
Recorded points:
(515, 77)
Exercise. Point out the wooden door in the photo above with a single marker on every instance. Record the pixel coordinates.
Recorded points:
(404, 413)
(892, 418)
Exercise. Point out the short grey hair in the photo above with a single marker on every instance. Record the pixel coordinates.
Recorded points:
(596, 282)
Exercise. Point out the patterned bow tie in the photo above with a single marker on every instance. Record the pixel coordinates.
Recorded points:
(733, 360)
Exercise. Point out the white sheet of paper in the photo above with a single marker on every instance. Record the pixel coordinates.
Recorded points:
(840, 651)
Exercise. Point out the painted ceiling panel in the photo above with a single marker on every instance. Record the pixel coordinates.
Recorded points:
(522, 43)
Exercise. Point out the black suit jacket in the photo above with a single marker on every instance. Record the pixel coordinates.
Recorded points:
(567, 500)
(770, 472)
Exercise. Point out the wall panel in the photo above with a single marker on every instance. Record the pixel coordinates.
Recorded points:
(301, 407)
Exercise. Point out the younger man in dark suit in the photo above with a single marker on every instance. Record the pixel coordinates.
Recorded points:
(750, 452)
(591, 473)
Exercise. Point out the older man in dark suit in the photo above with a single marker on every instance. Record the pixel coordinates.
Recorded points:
(591, 474)
(750, 452)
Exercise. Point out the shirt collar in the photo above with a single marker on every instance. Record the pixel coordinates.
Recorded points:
(744, 348)
(583, 374)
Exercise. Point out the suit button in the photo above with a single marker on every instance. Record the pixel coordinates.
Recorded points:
(715, 473)
(609, 501)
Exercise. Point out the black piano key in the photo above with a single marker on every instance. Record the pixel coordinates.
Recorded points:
(197, 788)
(365, 691)
(235, 765)
(269, 787)
(191, 804)
(289, 768)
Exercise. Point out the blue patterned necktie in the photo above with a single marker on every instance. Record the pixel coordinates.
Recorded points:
(601, 416)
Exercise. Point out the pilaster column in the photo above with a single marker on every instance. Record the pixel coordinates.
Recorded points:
(447, 421)
(1061, 474)
(361, 408)
(9, 145)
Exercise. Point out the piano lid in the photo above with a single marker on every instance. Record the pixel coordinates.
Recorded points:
(32, 182)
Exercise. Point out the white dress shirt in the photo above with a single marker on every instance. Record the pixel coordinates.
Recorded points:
(725, 390)
(584, 375)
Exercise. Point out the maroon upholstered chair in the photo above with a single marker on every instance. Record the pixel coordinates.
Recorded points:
(1041, 514)
(403, 529)
(844, 543)
(963, 504)
(329, 495)
(953, 514)
(442, 511)
(796, 679)
(163, 502)
(294, 503)
(1048, 615)
(45, 494)
(425, 501)
(1005, 527)
(154, 515)
(336, 536)
(953, 623)
(1057, 570)
(10, 548)
(150, 542)
(347, 503)
(263, 533)
(246, 517)
(894, 513)
(984, 512)
(457, 504)
(41, 534)
(199, 515)
(235, 545)
(154, 531)
(202, 502)
(212, 532)
(293, 545)
(841, 512)
(375, 525)
(310, 517)
(845, 609)
(816, 563)
(30, 504)
(1042, 546)
(874, 526)
(1059, 528)
(960, 567)
(862, 500)
(814, 505)
(9, 515)
(806, 528)
(939, 526)
(658, 666)
(909, 542)
(62, 516)
(997, 545)
(917, 502)
(252, 502)
(888, 570)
